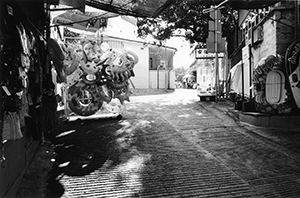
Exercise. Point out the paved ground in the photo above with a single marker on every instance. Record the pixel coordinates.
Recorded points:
(169, 145)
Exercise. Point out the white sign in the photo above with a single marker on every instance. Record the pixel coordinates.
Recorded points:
(203, 54)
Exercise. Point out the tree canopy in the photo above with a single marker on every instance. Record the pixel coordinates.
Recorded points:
(180, 72)
(186, 18)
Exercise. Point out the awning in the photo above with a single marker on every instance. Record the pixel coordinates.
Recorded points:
(152, 8)
(137, 8)
(102, 10)
(92, 21)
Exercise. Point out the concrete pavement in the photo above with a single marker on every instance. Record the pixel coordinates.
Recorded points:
(170, 145)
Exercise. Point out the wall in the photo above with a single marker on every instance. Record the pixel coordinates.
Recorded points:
(205, 69)
(267, 46)
(145, 78)
(277, 35)
(172, 79)
(161, 55)
(166, 79)
(141, 70)
(205, 74)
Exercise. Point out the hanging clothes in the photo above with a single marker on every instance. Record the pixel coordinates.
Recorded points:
(11, 126)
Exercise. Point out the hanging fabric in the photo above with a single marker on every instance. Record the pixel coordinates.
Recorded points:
(11, 126)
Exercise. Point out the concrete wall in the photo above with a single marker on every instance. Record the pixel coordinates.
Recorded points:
(172, 79)
(278, 34)
(206, 74)
(166, 79)
(161, 55)
(267, 46)
(141, 69)
(145, 78)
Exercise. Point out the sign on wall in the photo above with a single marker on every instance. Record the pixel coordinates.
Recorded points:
(201, 53)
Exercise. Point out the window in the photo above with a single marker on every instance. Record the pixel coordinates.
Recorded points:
(151, 63)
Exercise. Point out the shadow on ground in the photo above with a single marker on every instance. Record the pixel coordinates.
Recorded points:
(81, 147)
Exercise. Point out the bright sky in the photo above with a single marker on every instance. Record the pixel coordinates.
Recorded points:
(181, 57)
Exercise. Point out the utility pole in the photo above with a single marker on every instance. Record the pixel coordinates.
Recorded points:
(216, 49)
(215, 43)
(296, 18)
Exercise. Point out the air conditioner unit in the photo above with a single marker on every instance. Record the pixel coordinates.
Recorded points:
(258, 35)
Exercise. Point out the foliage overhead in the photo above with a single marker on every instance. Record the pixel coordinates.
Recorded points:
(180, 72)
(186, 18)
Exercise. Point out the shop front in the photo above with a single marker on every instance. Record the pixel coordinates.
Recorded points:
(28, 101)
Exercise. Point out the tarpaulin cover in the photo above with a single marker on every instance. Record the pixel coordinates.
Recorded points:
(104, 9)
(79, 20)
(139, 8)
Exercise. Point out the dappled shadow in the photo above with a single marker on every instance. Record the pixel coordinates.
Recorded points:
(91, 152)
(81, 148)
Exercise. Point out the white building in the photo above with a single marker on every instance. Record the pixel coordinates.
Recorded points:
(204, 66)
(155, 66)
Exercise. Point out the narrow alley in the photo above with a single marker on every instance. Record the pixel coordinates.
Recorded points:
(169, 145)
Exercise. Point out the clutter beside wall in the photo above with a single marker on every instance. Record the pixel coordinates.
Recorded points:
(28, 102)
